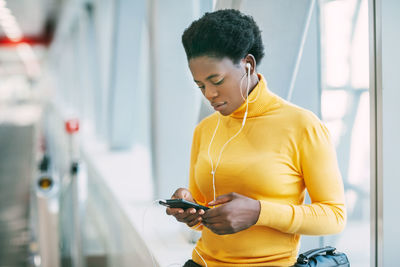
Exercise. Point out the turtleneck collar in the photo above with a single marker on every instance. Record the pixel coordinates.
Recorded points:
(261, 100)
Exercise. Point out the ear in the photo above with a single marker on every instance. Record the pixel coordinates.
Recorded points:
(250, 60)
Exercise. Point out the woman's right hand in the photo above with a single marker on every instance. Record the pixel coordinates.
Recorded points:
(189, 216)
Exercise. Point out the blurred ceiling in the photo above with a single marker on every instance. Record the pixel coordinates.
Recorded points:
(31, 15)
(37, 20)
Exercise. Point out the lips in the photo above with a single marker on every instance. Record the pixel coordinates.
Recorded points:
(218, 105)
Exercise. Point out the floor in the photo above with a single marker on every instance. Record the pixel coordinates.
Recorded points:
(16, 170)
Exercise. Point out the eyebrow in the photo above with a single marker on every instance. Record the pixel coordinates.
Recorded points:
(209, 77)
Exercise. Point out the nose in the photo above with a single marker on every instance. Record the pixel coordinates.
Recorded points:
(210, 92)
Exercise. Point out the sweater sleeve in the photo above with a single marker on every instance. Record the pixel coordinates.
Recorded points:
(194, 190)
(326, 214)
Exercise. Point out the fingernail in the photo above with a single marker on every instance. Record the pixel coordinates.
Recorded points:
(192, 211)
(211, 203)
(180, 211)
(201, 212)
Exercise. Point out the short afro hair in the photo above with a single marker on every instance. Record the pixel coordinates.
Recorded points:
(223, 33)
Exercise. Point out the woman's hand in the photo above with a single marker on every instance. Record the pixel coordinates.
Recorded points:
(236, 213)
(188, 216)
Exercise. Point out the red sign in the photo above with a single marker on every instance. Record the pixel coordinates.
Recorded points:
(72, 126)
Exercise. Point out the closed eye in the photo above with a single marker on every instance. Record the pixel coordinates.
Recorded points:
(219, 82)
(202, 87)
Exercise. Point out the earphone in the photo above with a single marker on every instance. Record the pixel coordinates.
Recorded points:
(248, 66)
(248, 69)
(247, 92)
(213, 170)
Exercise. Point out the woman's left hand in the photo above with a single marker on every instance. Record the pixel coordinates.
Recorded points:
(235, 213)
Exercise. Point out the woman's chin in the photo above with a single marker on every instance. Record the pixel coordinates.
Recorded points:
(225, 113)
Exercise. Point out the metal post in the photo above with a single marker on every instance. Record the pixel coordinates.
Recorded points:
(78, 193)
(375, 42)
(48, 214)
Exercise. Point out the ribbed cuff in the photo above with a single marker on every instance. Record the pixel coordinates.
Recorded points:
(197, 227)
(275, 215)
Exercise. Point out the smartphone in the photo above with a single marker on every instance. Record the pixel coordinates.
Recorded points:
(181, 203)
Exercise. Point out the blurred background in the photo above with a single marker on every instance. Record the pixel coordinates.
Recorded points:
(98, 106)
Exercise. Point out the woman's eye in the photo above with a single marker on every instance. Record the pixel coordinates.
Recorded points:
(220, 82)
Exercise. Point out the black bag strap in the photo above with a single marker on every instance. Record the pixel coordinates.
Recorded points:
(304, 257)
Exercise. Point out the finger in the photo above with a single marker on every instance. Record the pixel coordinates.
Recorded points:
(222, 199)
(187, 215)
(191, 211)
(174, 211)
(181, 193)
(192, 217)
(215, 212)
(194, 222)
(195, 213)
(177, 196)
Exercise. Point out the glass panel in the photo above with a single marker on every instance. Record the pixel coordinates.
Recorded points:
(173, 128)
(345, 110)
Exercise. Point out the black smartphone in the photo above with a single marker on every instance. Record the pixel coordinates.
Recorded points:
(181, 203)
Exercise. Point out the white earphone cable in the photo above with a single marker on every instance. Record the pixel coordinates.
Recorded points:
(209, 156)
(213, 170)
(244, 99)
(201, 257)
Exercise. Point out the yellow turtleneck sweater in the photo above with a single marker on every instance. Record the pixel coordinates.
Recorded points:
(281, 151)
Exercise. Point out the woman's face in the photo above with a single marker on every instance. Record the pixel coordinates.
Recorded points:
(219, 81)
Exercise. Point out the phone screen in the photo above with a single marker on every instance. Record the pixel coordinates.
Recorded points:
(182, 204)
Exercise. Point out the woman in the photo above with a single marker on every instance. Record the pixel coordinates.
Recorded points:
(252, 160)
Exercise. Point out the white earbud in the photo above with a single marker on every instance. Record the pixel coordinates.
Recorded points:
(248, 66)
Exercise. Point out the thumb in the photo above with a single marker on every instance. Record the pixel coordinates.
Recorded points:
(182, 193)
(221, 199)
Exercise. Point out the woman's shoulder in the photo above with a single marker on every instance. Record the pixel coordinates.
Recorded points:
(301, 117)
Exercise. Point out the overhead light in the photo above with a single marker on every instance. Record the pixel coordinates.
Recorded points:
(9, 23)
(14, 33)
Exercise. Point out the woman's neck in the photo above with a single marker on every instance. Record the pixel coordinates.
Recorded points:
(253, 81)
